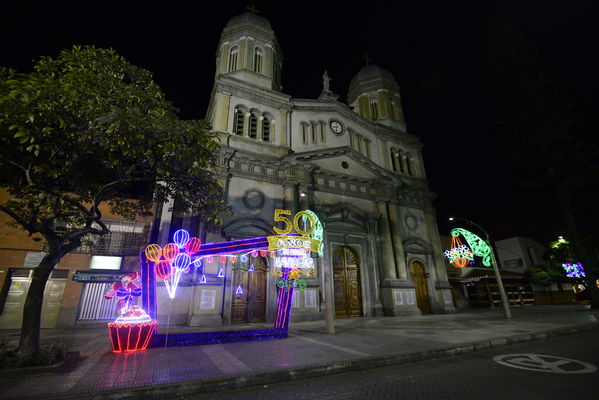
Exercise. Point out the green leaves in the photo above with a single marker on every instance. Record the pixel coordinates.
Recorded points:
(92, 125)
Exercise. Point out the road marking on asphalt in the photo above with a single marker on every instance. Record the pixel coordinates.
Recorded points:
(543, 363)
(355, 352)
(224, 360)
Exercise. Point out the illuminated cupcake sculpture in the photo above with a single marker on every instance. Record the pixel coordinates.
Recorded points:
(133, 329)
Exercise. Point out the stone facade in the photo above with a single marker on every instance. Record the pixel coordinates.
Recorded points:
(353, 164)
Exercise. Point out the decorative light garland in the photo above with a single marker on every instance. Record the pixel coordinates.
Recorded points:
(574, 270)
(479, 246)
(459, 255)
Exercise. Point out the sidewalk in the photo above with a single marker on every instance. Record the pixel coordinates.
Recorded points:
(358, 343)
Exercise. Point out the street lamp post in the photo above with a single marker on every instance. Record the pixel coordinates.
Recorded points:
(328, 291)
(504, 300)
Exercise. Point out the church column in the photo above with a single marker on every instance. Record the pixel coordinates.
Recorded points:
(224, 59)
(259, 127)
(223, 114)
(384, 153)
(442, 285)
(246, 124)
(282, 133)
(249, 58)
(290, 202)
(273, 131)
(242, 52)
(268, 61)
(400, 260)
(383, 102)
(388, 270)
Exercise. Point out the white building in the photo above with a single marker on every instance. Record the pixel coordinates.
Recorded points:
(353, 164)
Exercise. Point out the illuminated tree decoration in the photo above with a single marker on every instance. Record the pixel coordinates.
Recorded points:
(478, 245)
(459, 255)
(153, 252)
(574, 270)
(193, 246)
(170, 251)
(163, 269)
(181, 237)
(221, 273)
(239, 291)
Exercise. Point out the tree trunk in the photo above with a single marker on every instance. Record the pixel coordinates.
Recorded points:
(29, 345)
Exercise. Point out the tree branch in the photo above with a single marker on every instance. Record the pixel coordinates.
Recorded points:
(28, 227)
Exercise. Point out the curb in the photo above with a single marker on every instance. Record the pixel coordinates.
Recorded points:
(171, 390)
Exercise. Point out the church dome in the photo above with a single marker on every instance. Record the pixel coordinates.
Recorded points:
(370, 78)
(246, 19)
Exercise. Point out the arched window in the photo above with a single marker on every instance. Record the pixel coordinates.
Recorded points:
(238, 123)
(304, 132)
(266, 129)
(409, 166)
(374, 112)
(233, 59)
(253, 131)
(258, 56)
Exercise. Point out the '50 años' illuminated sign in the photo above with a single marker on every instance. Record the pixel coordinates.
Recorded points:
(304, 241)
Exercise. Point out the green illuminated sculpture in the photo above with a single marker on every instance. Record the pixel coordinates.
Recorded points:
(479, 246)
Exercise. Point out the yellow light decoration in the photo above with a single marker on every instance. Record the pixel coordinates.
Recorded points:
(294, 273)
(170, 251)
(153, 252)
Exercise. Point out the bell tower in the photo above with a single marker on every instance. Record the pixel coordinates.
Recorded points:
(248, 50)
(374, 94)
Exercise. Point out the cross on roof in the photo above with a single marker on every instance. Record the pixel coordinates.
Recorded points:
(252, 9)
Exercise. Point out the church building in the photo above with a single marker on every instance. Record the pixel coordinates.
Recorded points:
(354, 165)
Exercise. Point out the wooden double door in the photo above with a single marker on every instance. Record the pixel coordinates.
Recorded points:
(418, 275)
(249, 293)
(346, 280)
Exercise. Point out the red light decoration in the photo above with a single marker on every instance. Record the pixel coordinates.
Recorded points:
(127, 337)
(193, 246)
(163, 269)
(262, 253)
(233, 259)
(222, 259)
(170, 251)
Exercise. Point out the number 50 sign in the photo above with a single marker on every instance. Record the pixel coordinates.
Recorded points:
(304, 241)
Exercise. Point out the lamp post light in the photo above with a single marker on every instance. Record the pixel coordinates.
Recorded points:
(504, 300)
(327, 282)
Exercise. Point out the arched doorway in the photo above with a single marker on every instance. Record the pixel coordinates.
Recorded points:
(250, 304)
(346, 276)
(418, 275)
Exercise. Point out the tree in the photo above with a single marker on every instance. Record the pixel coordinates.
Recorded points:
(536, 119)
(88, 128)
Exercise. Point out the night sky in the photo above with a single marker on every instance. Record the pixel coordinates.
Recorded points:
(435, 50)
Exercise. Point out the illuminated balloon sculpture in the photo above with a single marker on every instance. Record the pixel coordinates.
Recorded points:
(174, 259)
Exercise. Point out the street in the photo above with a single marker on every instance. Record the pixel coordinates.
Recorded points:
(516, 373)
